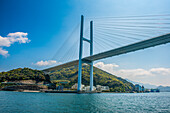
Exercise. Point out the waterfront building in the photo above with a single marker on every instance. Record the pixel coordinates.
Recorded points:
(138, 88)
(143, 89)
(87, 88)
(75, 86)
(155, 90)
(102, 88)
(59, 88)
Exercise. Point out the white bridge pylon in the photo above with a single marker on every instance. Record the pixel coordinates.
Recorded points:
(82, 38)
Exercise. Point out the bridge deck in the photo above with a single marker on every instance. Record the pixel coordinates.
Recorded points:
(163, 39)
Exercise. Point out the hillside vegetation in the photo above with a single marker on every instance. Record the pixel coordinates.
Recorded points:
(68, 77)
(101, 77)
(24, 74)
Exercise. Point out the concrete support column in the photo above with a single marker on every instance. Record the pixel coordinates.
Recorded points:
(91, 77)
(80, 55)
(91, 53)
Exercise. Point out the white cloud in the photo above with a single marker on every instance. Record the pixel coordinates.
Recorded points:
(4, 41)
(18, 37)
(106, 67)
(137, 75)
(161, 71)
(46, 63)
(155, 76)
(3, 52)
(17, 34)
(11, 38)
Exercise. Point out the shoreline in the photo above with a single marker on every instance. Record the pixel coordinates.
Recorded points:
(35, 91)
(53, 91)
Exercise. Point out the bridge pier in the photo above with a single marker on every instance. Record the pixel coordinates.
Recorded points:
(91, 53)
(80, 55)
(91, 77)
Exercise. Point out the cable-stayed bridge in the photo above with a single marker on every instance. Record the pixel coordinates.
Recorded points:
(156, 27)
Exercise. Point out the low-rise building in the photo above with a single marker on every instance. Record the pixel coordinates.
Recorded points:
(102, 88)
(155, 90)
(87, 88)
(138, 88)
(143, 89)
(76, 85)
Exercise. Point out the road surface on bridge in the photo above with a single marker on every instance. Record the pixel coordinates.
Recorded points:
(163, 39)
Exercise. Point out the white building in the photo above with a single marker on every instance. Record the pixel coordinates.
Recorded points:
(87, 88)
(102, 88)
(76, 85)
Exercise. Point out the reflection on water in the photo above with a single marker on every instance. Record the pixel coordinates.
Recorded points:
(104, 102)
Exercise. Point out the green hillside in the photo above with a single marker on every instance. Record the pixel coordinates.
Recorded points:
(24, 74)
(69, 76)
(101, 77)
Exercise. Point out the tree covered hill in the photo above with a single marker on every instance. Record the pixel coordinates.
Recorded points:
(70, 76)
(101, 77)
(24, 74)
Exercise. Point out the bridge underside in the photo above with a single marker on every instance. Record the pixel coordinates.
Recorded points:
(163, 39)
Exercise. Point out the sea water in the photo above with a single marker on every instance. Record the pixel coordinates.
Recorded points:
(24, 102)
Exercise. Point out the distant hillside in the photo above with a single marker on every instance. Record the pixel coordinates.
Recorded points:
(100, 78)
(148, 86)
(164, 89)
(24, 74)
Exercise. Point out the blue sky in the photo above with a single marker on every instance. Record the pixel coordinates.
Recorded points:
(49, 23)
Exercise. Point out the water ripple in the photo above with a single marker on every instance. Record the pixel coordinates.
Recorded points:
(20, 102)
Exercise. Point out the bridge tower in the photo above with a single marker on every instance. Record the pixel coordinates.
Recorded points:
(80, 54)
